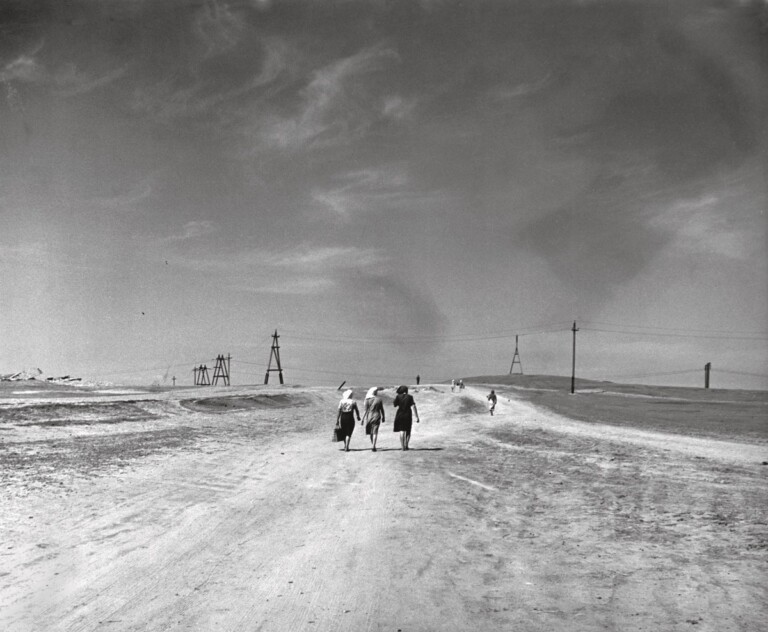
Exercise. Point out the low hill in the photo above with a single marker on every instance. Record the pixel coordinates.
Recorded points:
(715, 413)
(563, 383)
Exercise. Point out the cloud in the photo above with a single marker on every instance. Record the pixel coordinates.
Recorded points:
(335, 106)
(328, 257)
(701, 225)
(302, 270)
(394, 306)
(72, 82)
(397, 108)
(125, 201)
(200, 93)
(299, 259)
(594, 243)
(362, 190)
(218, 28)
(191, 231)
(374, 189)
(522, 89)
(308, 286)
(25, 69)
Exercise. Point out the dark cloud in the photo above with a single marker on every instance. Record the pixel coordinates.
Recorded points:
(391, 306)
(594, 248)
(682, 134)
(664, 114)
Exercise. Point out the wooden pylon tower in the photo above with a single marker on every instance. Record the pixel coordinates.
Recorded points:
(201, 376)
(221, 370)
(516, 360)
(274, 353)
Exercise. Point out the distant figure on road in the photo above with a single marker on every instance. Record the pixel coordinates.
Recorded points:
(403, 417)
(453, 385)
(461, 385)
(418, 379)
(492, 402)
(373, 415)
(345, 418)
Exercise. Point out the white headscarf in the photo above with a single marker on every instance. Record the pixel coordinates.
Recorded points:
(347, 394)
(372, 392)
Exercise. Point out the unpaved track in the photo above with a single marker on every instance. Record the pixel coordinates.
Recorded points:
(523, 521)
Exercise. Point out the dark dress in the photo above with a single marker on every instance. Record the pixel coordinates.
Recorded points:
(347, 419)
(403, 416)
(347, 423)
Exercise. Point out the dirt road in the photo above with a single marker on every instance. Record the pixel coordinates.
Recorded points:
(253, 520)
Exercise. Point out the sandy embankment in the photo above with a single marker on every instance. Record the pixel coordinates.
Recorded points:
(253, 520)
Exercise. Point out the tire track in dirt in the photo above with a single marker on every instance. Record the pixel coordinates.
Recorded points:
(487, 523)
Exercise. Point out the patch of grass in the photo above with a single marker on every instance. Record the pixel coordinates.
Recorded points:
(721, 419)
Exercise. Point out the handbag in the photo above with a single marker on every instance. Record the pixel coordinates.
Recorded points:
(338, 435)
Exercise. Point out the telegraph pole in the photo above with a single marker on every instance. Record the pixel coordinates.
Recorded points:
(573, 365)
(707, 369)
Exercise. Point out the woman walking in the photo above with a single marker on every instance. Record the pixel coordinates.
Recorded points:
(373, 415)
(345, 418)
(403, 417)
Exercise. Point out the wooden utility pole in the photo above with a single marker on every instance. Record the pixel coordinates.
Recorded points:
(274, 353)
(573, 364)
(707, 369)
(174, 381)
(516, 359)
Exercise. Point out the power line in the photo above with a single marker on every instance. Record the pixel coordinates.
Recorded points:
(674, 329)
(741, 373)
(156, 368)
(421, 338)
(632, 377)
(344, 373)
(673, 335)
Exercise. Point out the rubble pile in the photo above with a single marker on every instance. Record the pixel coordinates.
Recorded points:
(37, 374)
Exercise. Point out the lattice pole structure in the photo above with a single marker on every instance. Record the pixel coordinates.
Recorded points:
(221, 370)
(194, 372)
(274, 353)
(203, 379)
(516, 360)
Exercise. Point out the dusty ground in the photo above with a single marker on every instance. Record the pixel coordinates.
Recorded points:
(143, 511)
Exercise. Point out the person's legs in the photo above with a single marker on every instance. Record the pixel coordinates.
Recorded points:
(374, 436)
(346, 443)
(402, 439)
(407, 438)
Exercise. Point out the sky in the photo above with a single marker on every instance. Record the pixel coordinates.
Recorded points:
(397, 188)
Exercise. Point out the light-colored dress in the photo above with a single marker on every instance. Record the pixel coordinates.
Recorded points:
(374, 412)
